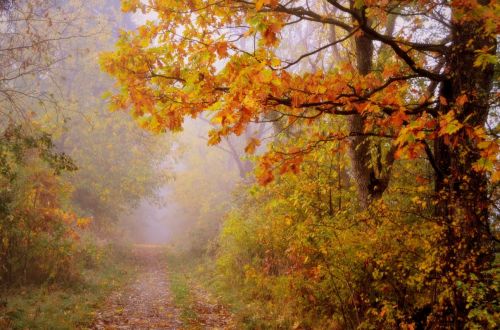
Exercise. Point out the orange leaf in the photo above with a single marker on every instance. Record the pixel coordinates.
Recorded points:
(252, 145)
(221, 49)
(259, 4)
(461, 100)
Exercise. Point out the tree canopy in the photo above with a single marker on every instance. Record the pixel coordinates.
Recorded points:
(383, 81)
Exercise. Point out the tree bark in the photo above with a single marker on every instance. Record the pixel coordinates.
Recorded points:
(371, 178)
(462, 207)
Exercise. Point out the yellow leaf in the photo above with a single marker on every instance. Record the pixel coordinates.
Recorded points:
(275, 62)
(259, 4)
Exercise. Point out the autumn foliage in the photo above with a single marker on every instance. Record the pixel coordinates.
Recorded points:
(352, 180)
(69, 169)
(383, 111)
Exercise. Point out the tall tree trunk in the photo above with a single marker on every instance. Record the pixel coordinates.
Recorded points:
(359, 150)
(466, 246)
(372, 176)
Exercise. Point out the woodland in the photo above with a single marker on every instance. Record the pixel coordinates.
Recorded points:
(242, 164)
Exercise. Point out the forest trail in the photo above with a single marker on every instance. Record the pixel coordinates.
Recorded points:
(146, 303)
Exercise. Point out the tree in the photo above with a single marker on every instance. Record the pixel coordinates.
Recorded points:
(416, 81)
(32, 37)
(38, 230)
(52, 118)
(119, 163)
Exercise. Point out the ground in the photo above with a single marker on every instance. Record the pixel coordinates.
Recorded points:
(148, 303)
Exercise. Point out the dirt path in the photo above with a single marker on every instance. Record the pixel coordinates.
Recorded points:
(147, 302)
(144, 304)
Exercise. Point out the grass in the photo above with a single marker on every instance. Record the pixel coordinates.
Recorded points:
(183, 298)
(186, 269)
(187, 272)
(63, 307)
(180, 275)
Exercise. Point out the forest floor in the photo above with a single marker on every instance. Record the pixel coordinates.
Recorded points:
(158, 299)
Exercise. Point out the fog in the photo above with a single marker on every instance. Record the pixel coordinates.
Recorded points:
(151, 222)
(167, 188)
(189, 208)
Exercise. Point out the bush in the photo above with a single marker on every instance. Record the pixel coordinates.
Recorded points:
(37, 232)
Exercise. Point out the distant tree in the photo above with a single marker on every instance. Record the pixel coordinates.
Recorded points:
(119, 163)
(31, 36)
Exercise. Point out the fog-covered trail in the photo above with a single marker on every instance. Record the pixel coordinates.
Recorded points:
(146, 303)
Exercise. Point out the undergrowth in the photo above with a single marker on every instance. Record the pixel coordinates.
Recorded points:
(68, 305)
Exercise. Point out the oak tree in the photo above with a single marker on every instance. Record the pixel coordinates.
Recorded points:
(413, 78)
